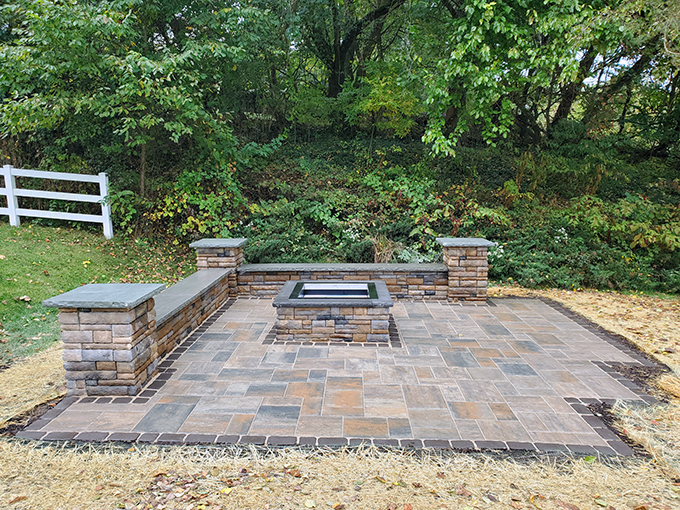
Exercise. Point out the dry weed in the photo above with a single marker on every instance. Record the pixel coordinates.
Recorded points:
(384, 249)
(670, 384)
(31, 382)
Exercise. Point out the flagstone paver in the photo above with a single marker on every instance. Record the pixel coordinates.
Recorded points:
(517, 371)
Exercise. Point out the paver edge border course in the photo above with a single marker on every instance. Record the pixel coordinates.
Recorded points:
(269, 443)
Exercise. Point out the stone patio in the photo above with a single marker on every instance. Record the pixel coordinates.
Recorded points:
(516, 374)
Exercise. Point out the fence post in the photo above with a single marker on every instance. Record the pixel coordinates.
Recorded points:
(106, 207)
(12, 201)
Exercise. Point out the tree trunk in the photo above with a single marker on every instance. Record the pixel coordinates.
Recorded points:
(344, 44)
(623, 80)
(570, 91)
(142, 170)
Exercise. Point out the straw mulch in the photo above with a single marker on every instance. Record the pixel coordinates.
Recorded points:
(51, 477)
(31, 382)
(657, 429)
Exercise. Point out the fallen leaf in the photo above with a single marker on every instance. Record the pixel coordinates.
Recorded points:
(17, 499)
(227, 490)
(566, 506)
(310, 503)
(533, 498)
(339, 506)
(441, 474)
(516, 504)
(600, 502)
(642, 507)
(417, 485)
(590, 459)
(462, 491)
(380, 479)
(408, 506)
(492, 497)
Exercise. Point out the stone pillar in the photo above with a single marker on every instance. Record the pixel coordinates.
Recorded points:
(467, 262)
(109, 337)
(221, 253)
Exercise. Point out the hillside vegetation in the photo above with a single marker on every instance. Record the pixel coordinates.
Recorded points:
(361, 131)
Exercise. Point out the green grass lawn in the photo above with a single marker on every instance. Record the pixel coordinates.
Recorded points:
(38, 262)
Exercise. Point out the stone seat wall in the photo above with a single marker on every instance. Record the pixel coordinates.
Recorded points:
(183, 307)
(404, 281)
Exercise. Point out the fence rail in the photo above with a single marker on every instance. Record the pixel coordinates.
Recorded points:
(12, 192)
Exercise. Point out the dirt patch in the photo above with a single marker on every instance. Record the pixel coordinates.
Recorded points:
(20, 422)
(646, 378)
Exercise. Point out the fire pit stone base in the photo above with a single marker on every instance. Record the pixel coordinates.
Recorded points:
(345, 319)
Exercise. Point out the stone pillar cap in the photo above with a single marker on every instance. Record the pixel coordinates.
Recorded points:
(464, 242)
(105, 295)
(236, 242)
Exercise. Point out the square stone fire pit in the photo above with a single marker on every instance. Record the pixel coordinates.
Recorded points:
(333, 310)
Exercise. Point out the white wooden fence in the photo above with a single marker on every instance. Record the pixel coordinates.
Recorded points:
(15, 212)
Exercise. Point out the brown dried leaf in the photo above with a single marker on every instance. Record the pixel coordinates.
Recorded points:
(566, 506)
(462, 491)
(17, 499)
